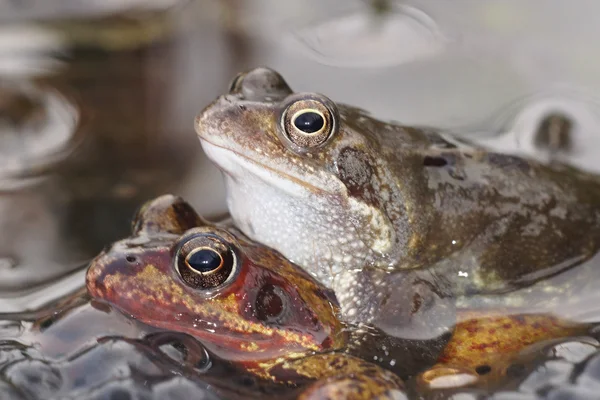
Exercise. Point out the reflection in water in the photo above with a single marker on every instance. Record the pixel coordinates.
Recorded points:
(37, 132)
(110, 76)
(554, 125)
(84, 138)
(388, 37)
(555, 133)
(72, 349)
(28, 50)
(31, 298)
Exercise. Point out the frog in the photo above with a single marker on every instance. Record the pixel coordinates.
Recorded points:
(329, 354)
(398, 220)
(246, 303)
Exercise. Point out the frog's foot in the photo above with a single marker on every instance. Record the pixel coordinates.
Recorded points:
(341, 376)
(166, 214)
(405, 305)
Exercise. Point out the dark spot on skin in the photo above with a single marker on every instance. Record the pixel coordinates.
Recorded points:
(508, 161)
(417, 302)
(434, 161)
(483, 369)
(356, 171)
(328, 342)
(269, 303)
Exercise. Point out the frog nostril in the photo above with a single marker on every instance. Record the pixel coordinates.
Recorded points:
(483, 369)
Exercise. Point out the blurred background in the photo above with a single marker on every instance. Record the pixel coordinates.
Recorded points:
(98, 99)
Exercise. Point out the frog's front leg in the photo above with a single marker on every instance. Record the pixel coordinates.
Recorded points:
(341, 376)
(408, 305)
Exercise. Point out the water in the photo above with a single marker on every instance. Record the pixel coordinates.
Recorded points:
(97, 101)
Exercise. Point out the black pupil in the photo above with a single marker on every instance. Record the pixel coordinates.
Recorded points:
(204, 260)
(309, 122)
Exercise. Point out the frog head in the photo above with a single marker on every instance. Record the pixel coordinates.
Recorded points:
(307, 176)
(243, 300)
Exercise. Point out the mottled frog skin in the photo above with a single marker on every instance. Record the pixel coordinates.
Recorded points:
(485, 345)
(372, 208)
(245, 302)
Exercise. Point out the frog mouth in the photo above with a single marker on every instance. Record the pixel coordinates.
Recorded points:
(254, 167)
(239, 348)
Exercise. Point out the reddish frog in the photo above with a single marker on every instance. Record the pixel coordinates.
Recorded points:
(245, 302)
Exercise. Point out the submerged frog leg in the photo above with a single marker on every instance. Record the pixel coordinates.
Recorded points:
(408, 305)
(342, 376)
(485, 344)
(404, 357)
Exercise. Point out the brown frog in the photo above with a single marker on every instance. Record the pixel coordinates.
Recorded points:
(393, 218)
(245, 302)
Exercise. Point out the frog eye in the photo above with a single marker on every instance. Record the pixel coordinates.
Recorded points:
(307, 121)
(206, 261)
